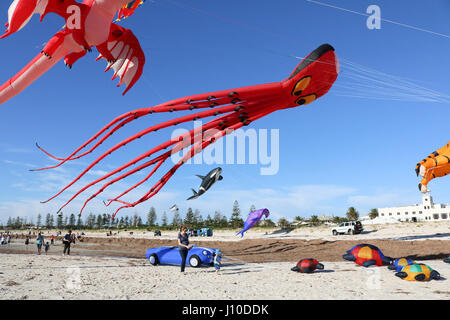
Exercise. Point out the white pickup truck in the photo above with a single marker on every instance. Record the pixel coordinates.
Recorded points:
(350, 227)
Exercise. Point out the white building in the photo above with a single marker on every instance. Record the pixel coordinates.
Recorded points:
(427, 211)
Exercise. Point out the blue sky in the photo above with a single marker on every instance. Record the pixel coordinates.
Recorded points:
(338, 152)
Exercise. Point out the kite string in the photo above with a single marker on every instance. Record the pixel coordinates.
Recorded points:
(391, 88)
(384, 20)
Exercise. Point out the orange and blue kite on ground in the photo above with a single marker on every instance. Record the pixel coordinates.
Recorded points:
(308, 266)
(418, 272)
(367, 255)
(399, 263)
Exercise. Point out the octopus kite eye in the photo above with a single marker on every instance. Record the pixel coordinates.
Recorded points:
(306, 99)
(301, 85)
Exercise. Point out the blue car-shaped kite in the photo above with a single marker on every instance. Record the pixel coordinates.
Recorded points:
(196, 257)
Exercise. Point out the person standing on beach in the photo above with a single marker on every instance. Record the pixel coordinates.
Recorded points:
(183, 243)
(52, 239)
(47, 246)
(39, 242)
(67, 240)
(27, 241)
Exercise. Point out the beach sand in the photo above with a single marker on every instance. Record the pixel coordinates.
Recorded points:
(56, 277)
(255, 267)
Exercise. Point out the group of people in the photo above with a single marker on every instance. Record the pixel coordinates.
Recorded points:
(184, 247)
(70, 238)
(67, 240)
(5, 238)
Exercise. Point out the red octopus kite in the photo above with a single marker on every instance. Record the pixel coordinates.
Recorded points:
(88, 24)
(231, 109)
(436, 165)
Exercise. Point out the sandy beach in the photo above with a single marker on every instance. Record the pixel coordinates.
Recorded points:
(53, 277)
(255, 267)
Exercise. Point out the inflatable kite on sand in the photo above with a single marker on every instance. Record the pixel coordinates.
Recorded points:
(88, 24)
(436, 165)
(367, 255)
(418, 272)
(252, 219)
(308, 266)
(398, 264)
(447, 260)
(230, 110)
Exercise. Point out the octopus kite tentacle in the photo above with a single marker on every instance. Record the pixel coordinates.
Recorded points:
(230, 104)
(232, 109)
(193, 151)
(182, 141)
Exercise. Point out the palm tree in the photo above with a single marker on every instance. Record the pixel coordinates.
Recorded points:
(373, 214)
(352, 214)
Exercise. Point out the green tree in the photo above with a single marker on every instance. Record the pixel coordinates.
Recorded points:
(99, 222)
(59, 221)
(90, 221)
(151, 217)
(197, 219)
(135, 219)
(164, 219)
(352, 214)
(283, 223)
(79, 222)
(189, 219)
(72, 221)
(223, 222)
(236, 220)
(269, 223)
(38, 220)
(373, 214)
(48, 220)
(217, 219)
(208, 221)
(177, 220)
(315, 220)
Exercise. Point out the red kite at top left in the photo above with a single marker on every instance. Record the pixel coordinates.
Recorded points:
(88, 24)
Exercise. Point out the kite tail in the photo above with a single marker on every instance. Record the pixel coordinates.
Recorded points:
(240, 232)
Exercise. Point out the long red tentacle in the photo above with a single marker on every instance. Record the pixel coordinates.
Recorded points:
(188, 103)
(223, 119)
(182, 143)
(193, 151)
(159, 163)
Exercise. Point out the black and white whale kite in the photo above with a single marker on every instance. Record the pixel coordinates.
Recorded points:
(207, 181)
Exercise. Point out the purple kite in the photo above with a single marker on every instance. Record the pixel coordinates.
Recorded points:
(253, 217)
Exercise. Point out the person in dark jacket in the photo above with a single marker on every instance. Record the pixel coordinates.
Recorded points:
(67, 240)
(183, 243)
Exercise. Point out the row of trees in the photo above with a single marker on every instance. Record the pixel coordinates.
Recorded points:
(193, 219)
